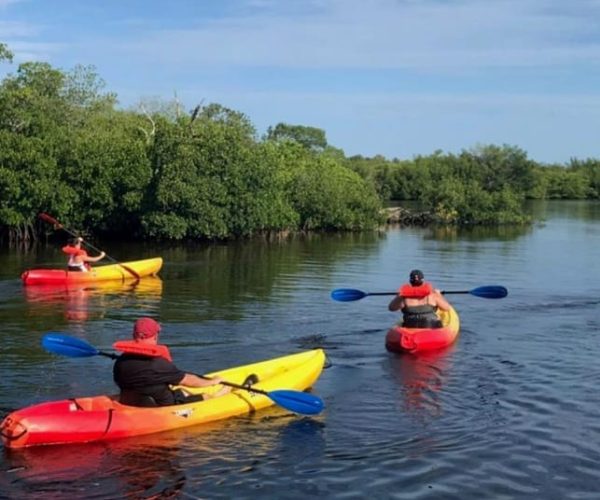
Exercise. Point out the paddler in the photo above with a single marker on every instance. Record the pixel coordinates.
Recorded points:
(145, 372)
(78, 258)
(419, 301)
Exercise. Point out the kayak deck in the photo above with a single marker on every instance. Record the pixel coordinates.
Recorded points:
(413, 340)
(121, 271)
(98, 418)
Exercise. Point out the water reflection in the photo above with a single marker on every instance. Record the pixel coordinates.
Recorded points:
(147, 467)
(479, 233)
(82, 302)
(213, 457)
(507, 414)
(588, 210)
(421, 379)
(301, 440)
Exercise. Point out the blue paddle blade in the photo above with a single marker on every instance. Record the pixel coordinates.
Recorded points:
(297, 402)
(68, 346)
(347, 294)
(490, 292)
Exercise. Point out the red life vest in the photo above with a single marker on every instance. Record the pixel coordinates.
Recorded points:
(71, 250)
(133, 347)
(415, 292)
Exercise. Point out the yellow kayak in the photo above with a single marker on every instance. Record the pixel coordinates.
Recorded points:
(122, 271)
(101, 418)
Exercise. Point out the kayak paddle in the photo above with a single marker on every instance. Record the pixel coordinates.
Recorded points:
(487, 292)
(58, 225)
(72, 347)
(294, 401)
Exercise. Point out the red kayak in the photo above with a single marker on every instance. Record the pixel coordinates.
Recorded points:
(120, 271)
(413, 340)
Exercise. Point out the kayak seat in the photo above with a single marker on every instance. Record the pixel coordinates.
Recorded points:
(422, 323)
(132, 398)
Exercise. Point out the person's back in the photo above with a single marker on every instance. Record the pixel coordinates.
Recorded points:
(143, 379)
(145, 372)
(418, 302)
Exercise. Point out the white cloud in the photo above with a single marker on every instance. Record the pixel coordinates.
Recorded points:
(381, 34)
(544, 52)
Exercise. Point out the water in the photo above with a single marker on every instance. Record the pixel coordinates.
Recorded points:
(509, 411)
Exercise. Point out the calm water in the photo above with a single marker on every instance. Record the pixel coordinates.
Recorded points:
(510, 411)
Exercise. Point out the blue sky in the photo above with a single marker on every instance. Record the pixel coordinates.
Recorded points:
(392, 77)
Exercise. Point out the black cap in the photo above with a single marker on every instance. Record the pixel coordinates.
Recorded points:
(416, 277)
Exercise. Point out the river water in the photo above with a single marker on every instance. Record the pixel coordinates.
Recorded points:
(509, 411)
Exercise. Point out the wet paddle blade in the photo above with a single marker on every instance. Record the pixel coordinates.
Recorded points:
(68, 346)
(49, 219)
(297, 402)
(490, 292)
(347, 294)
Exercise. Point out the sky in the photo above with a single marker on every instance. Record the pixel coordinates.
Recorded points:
(398, 78)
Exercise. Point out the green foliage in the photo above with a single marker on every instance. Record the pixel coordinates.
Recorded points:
(329, 196)
(107, 165)
(64, 151)
(382, 174)
(185, 199)
(562, 183)
(221, 183)
(82, 88)
(485, 185)
(159, 172)
(29, 180)
(5, 54)
(590, 170)
(498, 168)
(311, 138)
(467, 203)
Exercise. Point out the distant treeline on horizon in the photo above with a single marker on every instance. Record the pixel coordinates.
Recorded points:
(160, 172)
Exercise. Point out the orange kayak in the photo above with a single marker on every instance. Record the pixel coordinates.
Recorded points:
(413, 340)
(102, 418)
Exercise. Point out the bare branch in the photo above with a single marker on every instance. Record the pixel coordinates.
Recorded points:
(150, 134)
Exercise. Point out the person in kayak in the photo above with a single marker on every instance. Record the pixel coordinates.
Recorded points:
(79, 260)
(145, 371)
(419, 301)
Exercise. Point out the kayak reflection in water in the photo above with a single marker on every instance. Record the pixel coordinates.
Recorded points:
(79, 260)
(145, 371)
(419, 301)
(147, 467)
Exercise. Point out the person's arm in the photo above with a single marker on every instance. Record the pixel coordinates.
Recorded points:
(440, 301)
(87, 258)
(396, 303)
(191, 380)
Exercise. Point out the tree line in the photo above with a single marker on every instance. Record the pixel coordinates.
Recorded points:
(157, 171)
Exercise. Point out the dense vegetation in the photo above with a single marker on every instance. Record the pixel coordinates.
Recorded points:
(484, 185)
(67, 149)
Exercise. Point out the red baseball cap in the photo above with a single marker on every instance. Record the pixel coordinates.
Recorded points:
(145, 328)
